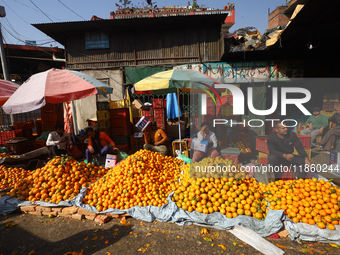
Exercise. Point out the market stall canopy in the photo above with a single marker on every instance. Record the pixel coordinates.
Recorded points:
(171, 80)
(53, 86)
(7, 88)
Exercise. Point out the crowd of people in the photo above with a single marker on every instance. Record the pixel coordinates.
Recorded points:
(281, 143)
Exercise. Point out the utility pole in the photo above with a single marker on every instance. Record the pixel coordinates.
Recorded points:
(3, 55)
(2, 49)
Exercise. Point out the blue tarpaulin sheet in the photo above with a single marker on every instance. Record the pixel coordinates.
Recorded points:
(167, 213)
(172, 106)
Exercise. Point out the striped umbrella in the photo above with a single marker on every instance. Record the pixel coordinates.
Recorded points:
(7, 88)
(53, 86)
(172, 81)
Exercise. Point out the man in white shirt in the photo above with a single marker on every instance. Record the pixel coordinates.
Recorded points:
(58, 141)
(206, 135)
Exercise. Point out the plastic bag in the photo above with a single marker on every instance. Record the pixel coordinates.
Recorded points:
(185, 159)
(3, 150)
(44, 135)
(121, 155)
(75, 152)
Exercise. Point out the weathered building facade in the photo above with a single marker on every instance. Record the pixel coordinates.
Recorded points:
(103, 48)
(110, 50)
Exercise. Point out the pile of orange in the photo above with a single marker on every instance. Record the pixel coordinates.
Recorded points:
(315, 202)
(232, 194)
(222, 168)
(144, 178)
(6, 155)
(242, 147)
(11, 175)
(60, 179)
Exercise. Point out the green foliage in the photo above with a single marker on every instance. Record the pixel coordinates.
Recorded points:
(194, 5)
(123, 3)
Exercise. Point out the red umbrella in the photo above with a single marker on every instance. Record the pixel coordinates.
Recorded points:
(53, 86)
(7, 88)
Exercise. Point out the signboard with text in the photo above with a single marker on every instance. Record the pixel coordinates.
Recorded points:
(97, 40)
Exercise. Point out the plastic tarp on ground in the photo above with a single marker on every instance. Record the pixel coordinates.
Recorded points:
(167, 213)
(9, 205)
(171, 213)
(306, 232)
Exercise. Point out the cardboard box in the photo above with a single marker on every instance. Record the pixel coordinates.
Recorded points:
(142, 123)
(137, 104)
(110, 160)
(199, 145)
(334, 157)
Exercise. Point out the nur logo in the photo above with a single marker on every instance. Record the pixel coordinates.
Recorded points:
(238, 99)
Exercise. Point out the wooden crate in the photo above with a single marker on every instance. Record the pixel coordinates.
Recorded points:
(123, 103)
(176, 146)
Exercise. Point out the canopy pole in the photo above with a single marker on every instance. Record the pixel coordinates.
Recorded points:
(4, 67)
(74, 118)
(179, 123)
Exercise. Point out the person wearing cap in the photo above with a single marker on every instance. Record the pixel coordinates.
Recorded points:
(328, 140)
(315, 124)
(155, 139)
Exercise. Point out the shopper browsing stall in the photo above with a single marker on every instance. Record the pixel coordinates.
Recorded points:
(281, 144)
(155, 139)
(98, 144)
(58, 141)
(206, 135)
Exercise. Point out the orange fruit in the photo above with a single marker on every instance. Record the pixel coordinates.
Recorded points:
(321, 225)
(330, 226)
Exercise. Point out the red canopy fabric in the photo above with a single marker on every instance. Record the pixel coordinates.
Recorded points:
(7, 88)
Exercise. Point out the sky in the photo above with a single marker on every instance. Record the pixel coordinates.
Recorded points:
(20, 14)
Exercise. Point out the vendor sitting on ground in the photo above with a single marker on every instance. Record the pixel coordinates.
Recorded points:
(315, 124)
(328, 140)
(98, 144)
(155, 139)
(281, 145)
(206, 135)
(57, 141)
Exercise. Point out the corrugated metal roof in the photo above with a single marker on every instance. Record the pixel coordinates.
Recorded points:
(314, 16)
(58, 31)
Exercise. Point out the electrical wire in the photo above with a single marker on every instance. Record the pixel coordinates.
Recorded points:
(26, 5)
(31, 45)
(4, 36)
(25, 38)
(41, 11)
(71, 10)
(6, 21)
(64, 32)
(15, 13)
(18, 34)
